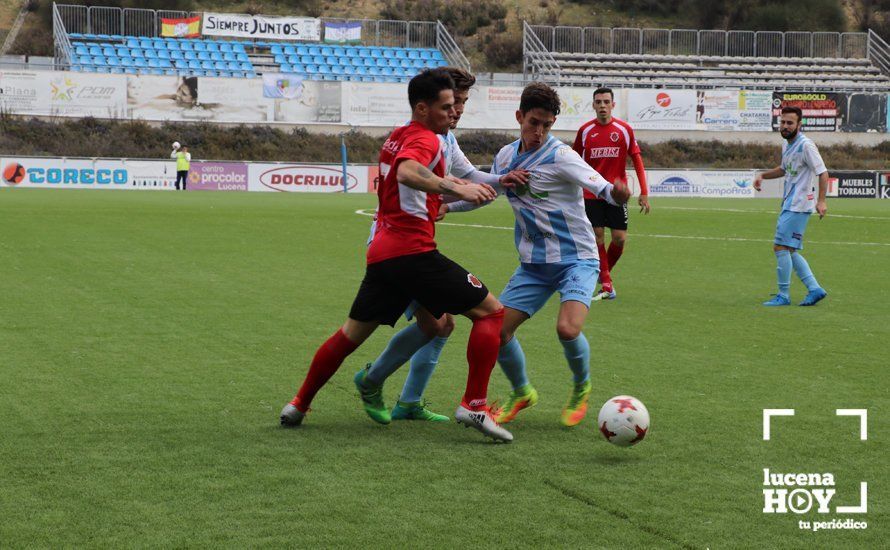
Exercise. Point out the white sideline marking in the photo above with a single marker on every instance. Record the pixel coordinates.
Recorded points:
(830, 215)
(370, 212)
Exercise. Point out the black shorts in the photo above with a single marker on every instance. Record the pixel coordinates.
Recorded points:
(435, 282)
(602, 214)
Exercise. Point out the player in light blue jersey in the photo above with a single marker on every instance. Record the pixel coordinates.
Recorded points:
(801, 165)
(556, 245)
(433, 331)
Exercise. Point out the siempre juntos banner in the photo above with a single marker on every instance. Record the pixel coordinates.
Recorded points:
(261, 26)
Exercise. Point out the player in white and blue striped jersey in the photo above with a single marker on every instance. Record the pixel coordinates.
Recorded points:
(802, 166)
(556, 245)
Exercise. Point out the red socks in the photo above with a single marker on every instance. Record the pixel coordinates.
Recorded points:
(482, 353)
(605, 275)
(615, 252)
(327, 360)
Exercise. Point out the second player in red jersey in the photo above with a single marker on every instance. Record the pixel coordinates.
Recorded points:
(605, 143)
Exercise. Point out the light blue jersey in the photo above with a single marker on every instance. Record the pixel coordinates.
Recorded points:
(551, 224)
(802, 164)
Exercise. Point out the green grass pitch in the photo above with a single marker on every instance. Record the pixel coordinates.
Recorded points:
(149, 340)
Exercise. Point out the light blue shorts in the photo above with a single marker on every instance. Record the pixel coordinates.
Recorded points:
(790, 228)
(532, 284)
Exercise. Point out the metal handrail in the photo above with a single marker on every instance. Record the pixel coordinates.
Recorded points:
(63, 46)
(446, 44)
(541, 60)
(878, 52)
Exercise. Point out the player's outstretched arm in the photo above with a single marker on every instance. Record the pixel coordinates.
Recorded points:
(643, 201)
(821, 205)
(417, 176)
(776, 172)
(575, 170)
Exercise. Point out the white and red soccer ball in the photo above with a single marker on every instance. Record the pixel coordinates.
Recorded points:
(623, 421)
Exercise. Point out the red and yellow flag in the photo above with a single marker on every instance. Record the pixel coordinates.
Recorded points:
(181, 28)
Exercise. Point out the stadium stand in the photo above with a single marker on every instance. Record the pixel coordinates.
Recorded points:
(145, 53)
(662, 58)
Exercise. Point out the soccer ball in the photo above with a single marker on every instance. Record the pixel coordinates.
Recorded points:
(176, 145)
(623, 421)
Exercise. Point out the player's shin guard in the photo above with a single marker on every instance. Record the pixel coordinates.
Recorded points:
(482, 352)
(327, 360)
(605, 268)
(783, 271)
(614, 254)
(802, 268)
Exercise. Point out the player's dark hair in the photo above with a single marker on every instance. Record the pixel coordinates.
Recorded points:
(795, 110)
(539, 95)
(599, 91)
(426, 86)
(463, 80)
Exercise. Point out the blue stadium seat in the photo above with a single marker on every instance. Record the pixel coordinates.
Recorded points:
(238, 74)
(276, 49)
(122, 52)
(417, 63)
(324, 69)
(229, 56)
(405, 63)
(224, 74)
(210, 73)
(153, 63)
(149, 54)
(81, 50)
(164, 54)
(426, 54)
(159, 44)
(225, 47)
(103, 69)
(103, 36)
(207, 65)
(373, 71)
(413, 54)
(367, 79)
(89, 69)
(181, 64)
(156, 72)
(140, 62)
(238, 48)
(145, 44)
(212, 47)
(200, 47)
(215, 56)
(204, 56)
(76, 68)
(242, 57)
(331, 60)
(311, 69)
(176, 54)
(165, 63)
(85, 60)
(377, 53)
(301, 49)
(220, 66)
(99, 61)
(75, 35)
(250, 74)
(95, 50)
(170, 72)
(173, 45)
(298, 68)
(194, 64)
(393, 62)
(246, 66)
(280, 58)
(132, 43)
(232, 65)
(314, 50)
(327, 50)
(401, 54)
(131, 70)
(190, 55)
(305, 59)
(386, 71)
(339, 51)
(187, 47)
(381, 62)
(361, 71)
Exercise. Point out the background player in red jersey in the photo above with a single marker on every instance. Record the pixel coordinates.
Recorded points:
(605, 142)
(403, 263)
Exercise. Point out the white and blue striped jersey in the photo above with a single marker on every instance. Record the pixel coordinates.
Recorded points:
(802, 163)
(551, 224)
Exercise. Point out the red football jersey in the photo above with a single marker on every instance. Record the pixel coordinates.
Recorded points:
(405, 216)
(605, 147)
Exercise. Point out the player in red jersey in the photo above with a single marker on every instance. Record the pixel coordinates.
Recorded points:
(605, 142)
(404, 264)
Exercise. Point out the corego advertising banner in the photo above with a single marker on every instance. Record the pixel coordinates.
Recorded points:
(701, 183)
(661, 109)
(822, 112)
(307, 178)
(57, 93)
(61, 173)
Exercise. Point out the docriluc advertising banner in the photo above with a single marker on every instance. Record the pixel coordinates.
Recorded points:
(822, 112)
(261, 27)
(307, 178)
(701, 183)
(217, 176)
(661, 109)
(61, 93)
(62, 173)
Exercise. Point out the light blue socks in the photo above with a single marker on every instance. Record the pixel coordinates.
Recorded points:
(802, 268)
(423, 363)
(399, 349)
(512, 361)
(577, 353)
(783, 270)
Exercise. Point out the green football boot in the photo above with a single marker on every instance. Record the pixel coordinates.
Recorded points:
(416, 411)
(372, 397)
